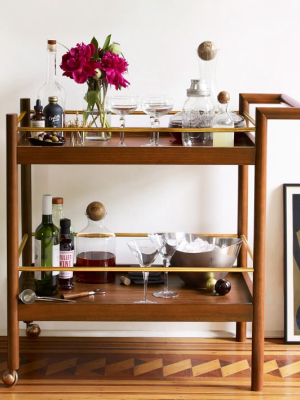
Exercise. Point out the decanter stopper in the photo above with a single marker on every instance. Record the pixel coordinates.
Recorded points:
(207, 50)
(223, 97)
(96, 211)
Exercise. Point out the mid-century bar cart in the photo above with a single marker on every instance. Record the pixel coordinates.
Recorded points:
(246, 300)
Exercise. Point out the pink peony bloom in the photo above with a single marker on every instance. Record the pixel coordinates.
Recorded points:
(77, 63)
(114, 66)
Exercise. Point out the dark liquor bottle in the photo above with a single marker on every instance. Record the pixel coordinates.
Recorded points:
(46, 251)
(53, 113)
(66, 255)
(58, 214)
(37, 119)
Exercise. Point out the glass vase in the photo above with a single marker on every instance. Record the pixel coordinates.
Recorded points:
(78, 138)
(95, 114)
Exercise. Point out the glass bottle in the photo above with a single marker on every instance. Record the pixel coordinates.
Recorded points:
(223, 120)
(52, 87)
(37, 120)
(66, 255)
(95, 247)
(46, 251)
(54, 114)
(58, 214)
(198, 112)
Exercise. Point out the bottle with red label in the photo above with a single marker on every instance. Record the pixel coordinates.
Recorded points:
(66, 255)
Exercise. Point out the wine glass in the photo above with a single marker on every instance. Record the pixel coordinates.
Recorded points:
(156, 106)
(145, 252)
(122, 105)
(166, 244)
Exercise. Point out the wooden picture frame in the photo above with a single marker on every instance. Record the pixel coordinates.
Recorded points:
(291, 197)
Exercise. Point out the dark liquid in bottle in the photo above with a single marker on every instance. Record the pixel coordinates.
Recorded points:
(95, 259)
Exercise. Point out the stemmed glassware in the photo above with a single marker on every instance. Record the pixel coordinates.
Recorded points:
(145, 252)
(166, 244)
(122, 105)
(156, 106)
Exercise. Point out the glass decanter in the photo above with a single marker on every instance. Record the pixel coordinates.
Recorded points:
(95, 247)
(223, 120)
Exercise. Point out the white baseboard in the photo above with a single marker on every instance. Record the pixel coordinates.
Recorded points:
(146, 333)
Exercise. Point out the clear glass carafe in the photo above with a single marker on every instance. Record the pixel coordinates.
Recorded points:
(95, 247)
(198, 112)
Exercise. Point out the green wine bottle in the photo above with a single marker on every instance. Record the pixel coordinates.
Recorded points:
(46, 251)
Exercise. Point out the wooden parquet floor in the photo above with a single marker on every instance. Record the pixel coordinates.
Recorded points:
(146, 369)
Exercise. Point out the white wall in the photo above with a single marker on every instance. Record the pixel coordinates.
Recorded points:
(259, 53)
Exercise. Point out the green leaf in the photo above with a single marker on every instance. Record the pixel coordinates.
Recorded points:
(105, 46)
(91, 97)
(95, 43)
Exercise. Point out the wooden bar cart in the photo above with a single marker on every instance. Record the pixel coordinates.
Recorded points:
(245, 302)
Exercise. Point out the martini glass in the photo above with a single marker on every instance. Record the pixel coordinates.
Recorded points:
(145, 252)
(166, 244)
(156, 106)
(122, 105)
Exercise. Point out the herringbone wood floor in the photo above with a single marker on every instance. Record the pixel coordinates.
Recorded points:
(114, 368)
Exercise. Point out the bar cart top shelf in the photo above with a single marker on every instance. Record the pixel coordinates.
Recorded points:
(169, 153)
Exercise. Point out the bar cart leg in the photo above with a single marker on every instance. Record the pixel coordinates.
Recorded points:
(32, 330)
(10, 377)
(241, 327)
(26, 204)
(259, 252)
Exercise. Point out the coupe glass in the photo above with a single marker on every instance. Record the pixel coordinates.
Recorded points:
(156, 106)
(122, 105)
(145, 252)
(166, 244)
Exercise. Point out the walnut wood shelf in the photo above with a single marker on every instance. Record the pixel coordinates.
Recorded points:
(243, 153)
(118, 303)
(191, 305)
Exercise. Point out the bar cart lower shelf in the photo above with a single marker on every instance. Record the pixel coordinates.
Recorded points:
(117, 304)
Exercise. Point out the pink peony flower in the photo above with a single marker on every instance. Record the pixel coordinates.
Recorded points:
(77, 63)
(114, 66)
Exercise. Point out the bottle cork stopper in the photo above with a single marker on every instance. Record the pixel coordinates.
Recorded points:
(207, 50)
(126, 281)
(95, 211)
(223, 97)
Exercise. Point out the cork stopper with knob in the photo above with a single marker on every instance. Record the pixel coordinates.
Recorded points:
(223, 97)
(95, 211)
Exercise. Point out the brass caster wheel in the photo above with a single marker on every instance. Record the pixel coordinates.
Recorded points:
(32, 330)
(10, 378)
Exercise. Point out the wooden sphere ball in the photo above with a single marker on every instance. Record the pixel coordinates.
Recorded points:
(211, 284)
(207, 50)
(223, 97)
(95, 211)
